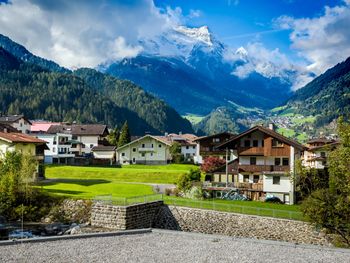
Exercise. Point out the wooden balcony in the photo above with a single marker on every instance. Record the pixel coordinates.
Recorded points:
(263, 168)
(250, 151)
(237, 185)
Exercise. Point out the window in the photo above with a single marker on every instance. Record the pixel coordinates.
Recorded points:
(53, 149)
(255, 143)
(143, 145)
(143, 154)
(276, 143)
(324, 163)
(123, 154)
(285, 161)
(256, 179)
(262, 143)
(276, 180)
(323, 154)
(253, 160)
(74, 137)
(246, 178)
(216, 139)
(91, 145)
(152, 145)
(160, 146)
(151, 154)
(247, 143)
(194, 147)
(277, 161)
(187, 147)
(134, 149)
(83, 146)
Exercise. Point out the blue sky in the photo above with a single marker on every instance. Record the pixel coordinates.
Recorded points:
(238, 22)
(308, 36)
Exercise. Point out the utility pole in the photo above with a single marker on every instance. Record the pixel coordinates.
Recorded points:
(226, 167)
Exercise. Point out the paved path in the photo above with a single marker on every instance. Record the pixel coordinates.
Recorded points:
(168, 246)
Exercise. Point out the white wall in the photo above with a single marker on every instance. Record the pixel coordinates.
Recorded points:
(283, 187)
(22, 125)
(89, 142)
(104, 154)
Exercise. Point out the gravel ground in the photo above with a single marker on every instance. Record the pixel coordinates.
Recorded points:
(167, 246)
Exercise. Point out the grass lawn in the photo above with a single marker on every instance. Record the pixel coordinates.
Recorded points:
(88, 182)
(160, 174)
(242, 207)
(194, 119)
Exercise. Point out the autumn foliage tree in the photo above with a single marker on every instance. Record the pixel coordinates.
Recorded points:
(211, 163)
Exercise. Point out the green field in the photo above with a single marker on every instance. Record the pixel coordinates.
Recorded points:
(128, 181)
(193, 118)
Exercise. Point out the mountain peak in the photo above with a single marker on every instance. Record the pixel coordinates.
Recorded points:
(201, 34)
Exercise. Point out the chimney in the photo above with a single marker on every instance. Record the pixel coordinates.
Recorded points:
(166, 134)
(271, 126)
(180, 133)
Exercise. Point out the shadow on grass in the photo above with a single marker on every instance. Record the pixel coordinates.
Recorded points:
(63, 192)
(83, 182)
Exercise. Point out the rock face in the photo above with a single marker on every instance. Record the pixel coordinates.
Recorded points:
(158, 215)
(77, 211)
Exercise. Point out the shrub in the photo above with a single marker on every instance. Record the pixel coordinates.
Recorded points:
(185, 181)
(211, 163)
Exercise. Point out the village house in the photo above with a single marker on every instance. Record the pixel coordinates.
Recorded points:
(316, 155)
(262, 165)
(83, 136)
(206, 146)
(148, 149)
(187, 142)
(19, 122)
(24, 144)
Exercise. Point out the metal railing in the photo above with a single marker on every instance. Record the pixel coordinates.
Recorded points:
(124, 201)
(211, 204)
(233, 208)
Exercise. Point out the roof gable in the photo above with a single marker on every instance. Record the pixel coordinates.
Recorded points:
(267, 131)
(157, 138)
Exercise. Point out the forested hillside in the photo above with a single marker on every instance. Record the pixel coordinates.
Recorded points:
(41, 94)
(327, 96)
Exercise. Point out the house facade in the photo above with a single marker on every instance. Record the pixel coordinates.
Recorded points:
(263, 164)
(19, 122)
(24, 144)
(59, 148)
(207, 146)
(148, 149)
(187, 142)
(316, 155)
(83, 137)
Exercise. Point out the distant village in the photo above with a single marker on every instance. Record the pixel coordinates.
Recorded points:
(259, 162)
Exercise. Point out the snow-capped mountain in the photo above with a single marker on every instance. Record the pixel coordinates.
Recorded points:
(194, 72)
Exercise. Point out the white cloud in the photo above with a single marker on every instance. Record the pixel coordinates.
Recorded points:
(84, 33)
(323, 40)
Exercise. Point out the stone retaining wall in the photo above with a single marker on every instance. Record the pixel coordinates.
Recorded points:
(125, 217)
(158, 215)
(239, 225)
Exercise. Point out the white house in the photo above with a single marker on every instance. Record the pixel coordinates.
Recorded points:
(148, 149)
(316, 156)
(60, 148)
(83, 136)
(19, 122)
(187, 142)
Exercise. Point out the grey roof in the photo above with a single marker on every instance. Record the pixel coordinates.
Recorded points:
(7, 128)
(103, 148)
(79, 129)
(12, 118)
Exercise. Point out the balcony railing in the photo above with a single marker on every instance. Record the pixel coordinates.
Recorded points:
(146, 149)
(263, 168)
(238, 185)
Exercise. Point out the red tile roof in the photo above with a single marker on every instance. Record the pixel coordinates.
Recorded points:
(20, 138)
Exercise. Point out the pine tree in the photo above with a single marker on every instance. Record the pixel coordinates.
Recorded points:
(113, 137)
(124, 137)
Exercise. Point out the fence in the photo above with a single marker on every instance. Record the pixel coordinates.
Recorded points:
(233, 208)
(124, 201)
(212, 204)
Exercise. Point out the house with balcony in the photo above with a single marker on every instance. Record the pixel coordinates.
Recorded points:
(187, 142)
(263, 164)
(148, 149)
(25, 144)
(207, 146)
(316, 155)
(19, 122)
(83, 137)
(59, 148)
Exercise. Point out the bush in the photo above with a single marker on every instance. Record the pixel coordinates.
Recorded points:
(211, 163)
(185, 181)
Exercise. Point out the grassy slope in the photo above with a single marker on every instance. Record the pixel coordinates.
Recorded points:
(193, 118)
(87, 182)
